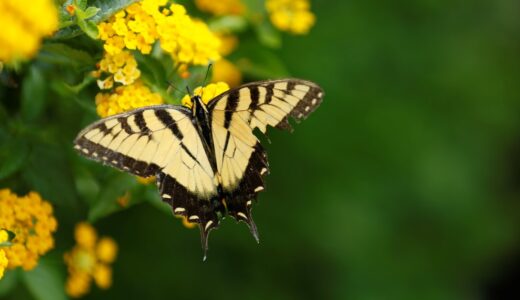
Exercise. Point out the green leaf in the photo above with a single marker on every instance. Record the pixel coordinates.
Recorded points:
(259, 63)
(8, 282)
(106, 9)
(106, 202)
(13, 155)
(268, 35)
(76, 89)
(89, 28)
(61, 54)
(109, 7)
(87, 186)
(11, 234)
(46, 281)
(154, 74)
(48, 172)
(90, 12)
(82, 4)
(228, 24)
(33, 94)
(152, 70)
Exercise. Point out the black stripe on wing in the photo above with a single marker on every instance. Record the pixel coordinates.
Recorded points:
(239, 202)
(308, 104)
(301, 95)
(130, 124)
(106, 156)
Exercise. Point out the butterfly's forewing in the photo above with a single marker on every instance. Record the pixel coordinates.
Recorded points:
(161, 141)
(241, 160)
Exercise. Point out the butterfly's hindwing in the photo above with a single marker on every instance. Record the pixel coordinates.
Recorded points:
(188, 204)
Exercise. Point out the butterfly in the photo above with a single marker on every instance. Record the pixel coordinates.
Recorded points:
(207, 161)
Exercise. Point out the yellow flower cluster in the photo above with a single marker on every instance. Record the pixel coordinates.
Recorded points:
(222, 7)
(126, 97)
(89, 259)
(24, 24)
(207, 93)
(189, 41)
(141, 24)
(291, 15)
(31, 219)
(3, 258)
(122, 68)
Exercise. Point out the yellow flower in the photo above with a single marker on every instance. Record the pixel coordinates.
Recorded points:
(126, 98)
(31, 219)
(221, 7)
(106, 250)
(122, 68)
(3, 263)
(291, 15)
(102, 276)
(3, 258)
(85, 235)
(4, 236)
(24, 23)
(142, 24)
(71, 9)
(207, 93)
(78, 285)
(89, 261)
(224, 70)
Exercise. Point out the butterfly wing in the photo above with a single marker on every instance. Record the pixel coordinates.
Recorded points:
(158, 141)
(241, 160)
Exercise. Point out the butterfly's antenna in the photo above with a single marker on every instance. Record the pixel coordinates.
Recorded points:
(207, 73)
(171, 85)
(205, 79)
(189, 91)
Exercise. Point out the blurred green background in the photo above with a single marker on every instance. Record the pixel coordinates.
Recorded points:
(404, 184)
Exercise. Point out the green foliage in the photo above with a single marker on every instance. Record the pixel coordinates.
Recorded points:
(268, 35)
(228, 24)
(33, 95)
(46, 281)
(62, 54)
(13, 155)
(8, 283)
